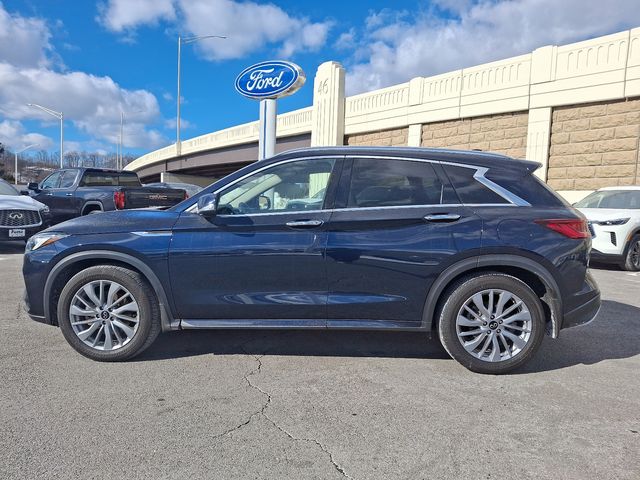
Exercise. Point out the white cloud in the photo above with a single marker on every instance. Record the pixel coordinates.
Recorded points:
(249, 26)
(23, 41)
(14, 134)
(400, 46)
(120, 15)
(346, 40)
(171, 123)
(92, 103)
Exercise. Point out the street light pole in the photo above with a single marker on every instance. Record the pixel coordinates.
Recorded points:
(59, 116)
(121, 139)
(186, 41)
(15, 175)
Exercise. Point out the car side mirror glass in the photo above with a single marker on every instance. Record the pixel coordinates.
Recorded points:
(208, 205)
(264, 202)
(33, 186)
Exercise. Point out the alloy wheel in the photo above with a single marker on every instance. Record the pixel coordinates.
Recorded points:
(634, 254)
(494, 325)
(104, 315)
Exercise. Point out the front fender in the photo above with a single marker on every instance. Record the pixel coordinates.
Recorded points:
(169, 322)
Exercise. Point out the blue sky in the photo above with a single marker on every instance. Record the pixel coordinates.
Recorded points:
(92, 59)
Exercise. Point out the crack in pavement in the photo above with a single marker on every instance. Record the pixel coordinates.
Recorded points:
(262, 412)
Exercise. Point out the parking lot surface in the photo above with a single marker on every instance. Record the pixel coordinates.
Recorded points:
(319, 405)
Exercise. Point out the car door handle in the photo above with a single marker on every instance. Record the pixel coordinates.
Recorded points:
(49, 194)
(304, 223)
(442, 217)
(69, 194)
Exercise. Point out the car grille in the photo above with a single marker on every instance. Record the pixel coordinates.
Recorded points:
(19, 218)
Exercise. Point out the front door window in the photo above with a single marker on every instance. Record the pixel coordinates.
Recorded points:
(287, 187)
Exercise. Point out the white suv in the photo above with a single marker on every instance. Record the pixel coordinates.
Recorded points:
(614, 215)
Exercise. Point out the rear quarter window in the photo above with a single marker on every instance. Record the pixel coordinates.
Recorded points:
(469, 189)
(529, 188)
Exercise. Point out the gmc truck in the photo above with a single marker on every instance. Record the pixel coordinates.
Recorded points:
(74, 192)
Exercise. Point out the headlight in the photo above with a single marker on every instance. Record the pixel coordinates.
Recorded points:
(40, 240)
(45, 210)
(617, 221)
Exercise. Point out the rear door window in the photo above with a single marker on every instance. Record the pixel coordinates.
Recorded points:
(393, 183)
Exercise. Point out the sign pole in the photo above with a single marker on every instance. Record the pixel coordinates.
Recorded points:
(267, 128)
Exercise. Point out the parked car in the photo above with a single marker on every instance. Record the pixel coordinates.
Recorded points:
(189, 188)
(20, 216)
(468, 245)
(614, 215)
(75, 192)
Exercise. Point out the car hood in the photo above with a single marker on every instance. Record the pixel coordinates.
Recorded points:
(118, 222)
(600, 214)
(19, 202)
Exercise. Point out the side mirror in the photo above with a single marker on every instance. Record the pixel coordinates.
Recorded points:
(33, 186)
(264, 202)
(208, 205)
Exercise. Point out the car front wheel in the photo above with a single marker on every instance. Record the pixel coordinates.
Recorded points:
(491, 323)
(108, 313)
(632, 258)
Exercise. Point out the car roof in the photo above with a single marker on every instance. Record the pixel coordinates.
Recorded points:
(468, 157)
(629, 187)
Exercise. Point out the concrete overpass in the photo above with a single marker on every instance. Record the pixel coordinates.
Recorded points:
(574, 108)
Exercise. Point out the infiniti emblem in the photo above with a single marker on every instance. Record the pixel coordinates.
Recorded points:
(15, 216)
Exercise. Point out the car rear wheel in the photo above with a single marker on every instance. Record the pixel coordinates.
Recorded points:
(491, 323)
(632, 258)
(109, 313)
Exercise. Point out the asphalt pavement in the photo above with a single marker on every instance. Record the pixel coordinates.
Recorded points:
(319, 405)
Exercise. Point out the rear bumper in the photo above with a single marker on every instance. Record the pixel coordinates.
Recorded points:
(588, 304)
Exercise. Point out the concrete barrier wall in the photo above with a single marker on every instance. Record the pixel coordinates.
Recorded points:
(574, 108)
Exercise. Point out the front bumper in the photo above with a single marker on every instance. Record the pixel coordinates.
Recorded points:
(598, 256)
(586, 305)
(609, 239)
(26, 306)
(28, 232)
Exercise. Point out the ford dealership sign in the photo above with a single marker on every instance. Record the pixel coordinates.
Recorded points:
(272, 79)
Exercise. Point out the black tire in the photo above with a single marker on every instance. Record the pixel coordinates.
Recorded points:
(632, 255)
(148, 312)
(454, 299)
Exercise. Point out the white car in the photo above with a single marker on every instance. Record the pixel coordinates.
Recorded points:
(614, 215)
(20, 215)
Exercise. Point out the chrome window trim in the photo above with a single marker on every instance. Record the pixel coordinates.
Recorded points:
(479, 176)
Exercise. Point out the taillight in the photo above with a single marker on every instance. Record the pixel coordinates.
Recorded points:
(118, 200)
(569, 227)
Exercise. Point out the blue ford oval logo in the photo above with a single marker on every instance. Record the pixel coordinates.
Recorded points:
(272, 79)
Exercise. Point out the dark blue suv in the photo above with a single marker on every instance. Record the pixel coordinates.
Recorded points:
(470, 245)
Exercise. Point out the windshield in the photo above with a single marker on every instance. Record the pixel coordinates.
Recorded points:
(618, 199)
(6, 189)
